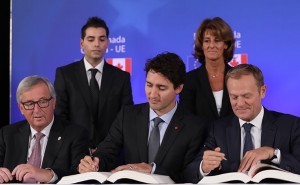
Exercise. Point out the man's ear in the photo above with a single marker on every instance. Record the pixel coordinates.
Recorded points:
(179, 89)
(263, 91)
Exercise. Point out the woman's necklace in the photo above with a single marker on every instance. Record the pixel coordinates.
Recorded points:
(216, 75)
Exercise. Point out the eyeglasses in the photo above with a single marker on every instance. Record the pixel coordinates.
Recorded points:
(43, 103)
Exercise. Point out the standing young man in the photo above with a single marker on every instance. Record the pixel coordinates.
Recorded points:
(75, 99)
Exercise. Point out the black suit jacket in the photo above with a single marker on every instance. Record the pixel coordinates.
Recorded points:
(279, 130)
(182, 140)
(74, 101)
(198, 98)
(67, 144)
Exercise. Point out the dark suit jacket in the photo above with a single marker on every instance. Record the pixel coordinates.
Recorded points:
(74, 101)
(181, 142)
(198, 98)
(67, 144)
(279, 130)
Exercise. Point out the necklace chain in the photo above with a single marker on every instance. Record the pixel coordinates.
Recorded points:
(215, 75)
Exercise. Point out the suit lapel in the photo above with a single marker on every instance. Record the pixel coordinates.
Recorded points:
(142, 125)
(203, 78)
(83, 84)
(55, 141)
(233, 135)
(174, 128)
(20, 137)
(225, 101)
(268, 129)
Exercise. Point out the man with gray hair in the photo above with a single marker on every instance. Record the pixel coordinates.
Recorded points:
(42, 148)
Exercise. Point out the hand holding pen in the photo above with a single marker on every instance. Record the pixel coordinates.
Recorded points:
(95, 160)
(212, 159)
(89, 163)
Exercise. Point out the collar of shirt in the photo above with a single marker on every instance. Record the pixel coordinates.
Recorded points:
(166, 117)
(44, 140)
(257, 121)
(164, 125)
(89, 66)
(255, 131)
(45, 131)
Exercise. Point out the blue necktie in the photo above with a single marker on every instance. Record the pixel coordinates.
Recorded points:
(154, 140)
(248, 145)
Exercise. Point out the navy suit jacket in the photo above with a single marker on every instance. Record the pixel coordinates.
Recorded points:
(181, 142)
(74, 101)
(198, 98)
(67, 144)
(279, 130)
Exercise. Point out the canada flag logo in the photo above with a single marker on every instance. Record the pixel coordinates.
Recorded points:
(238, 59)
(122, 63)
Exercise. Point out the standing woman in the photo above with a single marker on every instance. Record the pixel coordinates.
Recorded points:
(204, 92)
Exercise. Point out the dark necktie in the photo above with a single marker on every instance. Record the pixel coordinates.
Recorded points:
(94, 90)
(36, 154)
(154, 140)
(248, 145)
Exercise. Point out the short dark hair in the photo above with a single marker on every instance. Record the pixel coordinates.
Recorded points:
(168, 64)
(219, 28)
(95, 22)
(246, 69)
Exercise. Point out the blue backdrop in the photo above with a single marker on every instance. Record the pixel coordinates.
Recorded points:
(46, 35)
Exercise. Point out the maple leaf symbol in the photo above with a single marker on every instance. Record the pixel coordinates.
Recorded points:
(233, 63)
(120, 66)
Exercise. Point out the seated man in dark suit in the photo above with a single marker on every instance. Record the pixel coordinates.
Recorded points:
(181, 134)
(26, 157)
(273, 137)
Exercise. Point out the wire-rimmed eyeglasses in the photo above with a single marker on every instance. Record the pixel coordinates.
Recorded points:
(43, 103)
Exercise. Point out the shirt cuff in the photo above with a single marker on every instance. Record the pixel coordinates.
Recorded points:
(277, 159)
(54, 177)
(153, 167)
(200, 170)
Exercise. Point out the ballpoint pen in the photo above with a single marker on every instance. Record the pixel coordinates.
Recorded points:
(96, 168)
(91, 152)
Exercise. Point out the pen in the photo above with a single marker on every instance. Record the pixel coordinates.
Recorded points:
(224, 159)
(96, 167)
(91, 152)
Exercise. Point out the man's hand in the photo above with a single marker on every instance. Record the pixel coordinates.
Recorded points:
(88, 164)
(252, 157)
(140, 167)
(30, 173)
(5, 175)
(212, 160)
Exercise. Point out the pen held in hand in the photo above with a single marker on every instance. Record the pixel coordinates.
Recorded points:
(91, 153)
(95, 167)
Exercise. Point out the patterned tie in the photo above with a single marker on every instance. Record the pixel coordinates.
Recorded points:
(94, 86)
(154, 140)
(35, 158)
(248, 145)
(36, 154)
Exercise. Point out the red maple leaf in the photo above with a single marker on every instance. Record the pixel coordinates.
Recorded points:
(233, 63)
(120, 66)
